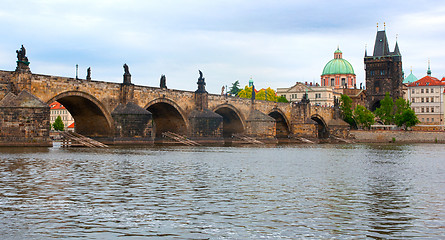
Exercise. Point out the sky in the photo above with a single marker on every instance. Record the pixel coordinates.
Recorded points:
(276, 43)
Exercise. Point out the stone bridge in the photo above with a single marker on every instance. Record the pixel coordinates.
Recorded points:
(124, 112)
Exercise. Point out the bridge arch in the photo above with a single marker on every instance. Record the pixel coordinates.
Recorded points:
(91, 118)
(167, 116)
(282, 124)
(322, 127)
(233, 122)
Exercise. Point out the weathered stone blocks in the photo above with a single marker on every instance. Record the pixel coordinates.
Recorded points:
(132, 124)
(24, 121)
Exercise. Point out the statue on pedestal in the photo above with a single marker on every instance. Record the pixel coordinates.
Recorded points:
(163, 82)
(89, 73)
(201, 84)
(127, 75)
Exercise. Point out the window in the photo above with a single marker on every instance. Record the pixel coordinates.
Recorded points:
(422, 99)
(412, 100)
(332, 82)
(427, 119)
(426, 90)
(343, 82)
(412, 91)
(427, 109)
(432, 109)
(432, 119)
(423, 119)
(423, 109)
(432, 99)
(432, 90)
(427, 99)
(421, 90)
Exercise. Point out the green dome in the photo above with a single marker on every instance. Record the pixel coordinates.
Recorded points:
(338, 66)
(410, 79)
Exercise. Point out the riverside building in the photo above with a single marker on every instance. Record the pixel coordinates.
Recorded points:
(426, 97)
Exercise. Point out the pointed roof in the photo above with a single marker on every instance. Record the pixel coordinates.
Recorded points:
(8, 100)
(24, 100)
(381, 47)
(396, 50)
(130, 109)
(429, 69)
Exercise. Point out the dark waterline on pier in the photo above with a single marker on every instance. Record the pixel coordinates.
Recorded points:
(280, 192)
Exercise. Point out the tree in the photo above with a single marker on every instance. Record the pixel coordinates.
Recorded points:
(346, 109)
(386, 110)
(271, 96)
(363, 117)
(282, 99)
(405, 116)
(246, 92)
(234, 89)
(58, 124)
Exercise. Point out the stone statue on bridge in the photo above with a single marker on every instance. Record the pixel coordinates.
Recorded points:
(201, 84)
(163, 82)
(22, 60)
(127, 75)
(21, 55)
(88, 73)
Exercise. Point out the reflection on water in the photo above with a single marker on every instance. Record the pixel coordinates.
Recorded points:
(284, 192)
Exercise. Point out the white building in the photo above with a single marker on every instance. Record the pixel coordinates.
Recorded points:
(426, 98)
(318, 95)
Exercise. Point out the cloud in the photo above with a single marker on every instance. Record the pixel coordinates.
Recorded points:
(275, 42)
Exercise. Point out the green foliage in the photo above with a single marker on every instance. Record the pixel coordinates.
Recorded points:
(282, 99)
(386, 110)
(346, 109)
(271, 96)
(363, 117)
(407, 118)
(261, 95)
(234, 89)
(58, 124)
(246, 92)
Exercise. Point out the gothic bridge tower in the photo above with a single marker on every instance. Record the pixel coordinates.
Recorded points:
(383, 72)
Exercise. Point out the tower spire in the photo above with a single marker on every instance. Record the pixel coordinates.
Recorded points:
(429, 69)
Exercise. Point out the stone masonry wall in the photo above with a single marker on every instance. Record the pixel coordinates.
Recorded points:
(382, 136)
(25, 127)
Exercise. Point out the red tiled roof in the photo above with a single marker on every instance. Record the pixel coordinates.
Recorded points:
(56, 106)
(71, 126)
(427, 81)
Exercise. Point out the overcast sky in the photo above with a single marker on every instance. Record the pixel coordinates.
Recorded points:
(277, 43)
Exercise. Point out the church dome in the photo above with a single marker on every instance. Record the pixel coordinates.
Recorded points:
(410, 79)
(338, 65)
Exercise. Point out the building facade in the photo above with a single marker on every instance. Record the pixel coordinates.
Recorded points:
(426, 98)
(338, 73)
(318, 95)
(383, 72)
(58, 109)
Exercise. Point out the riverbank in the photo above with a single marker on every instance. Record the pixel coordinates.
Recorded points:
(382, 136)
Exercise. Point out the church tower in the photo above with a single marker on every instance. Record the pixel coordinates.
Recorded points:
(383, 72)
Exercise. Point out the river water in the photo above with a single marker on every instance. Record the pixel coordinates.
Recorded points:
(281, 192)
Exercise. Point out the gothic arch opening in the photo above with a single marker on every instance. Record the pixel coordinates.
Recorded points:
(232, 123)
(282, 126)
(90, 117)
(322, 127)
(167, 118)
(375, 105)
